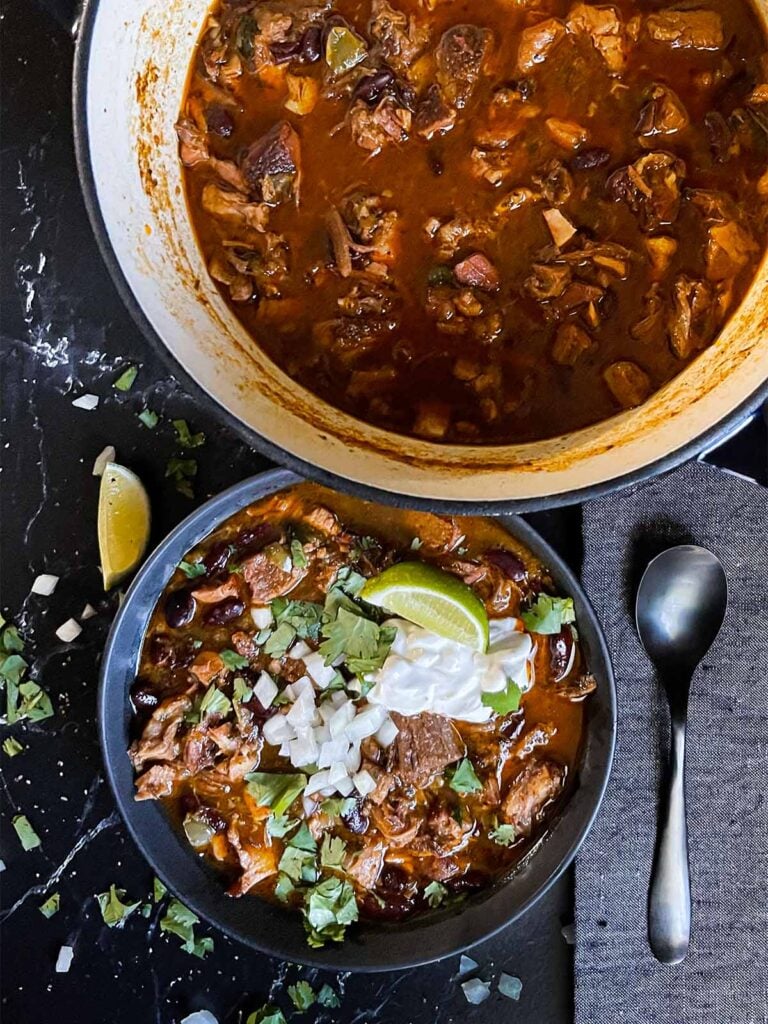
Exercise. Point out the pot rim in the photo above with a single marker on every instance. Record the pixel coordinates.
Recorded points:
(709, 438)
(379, 947)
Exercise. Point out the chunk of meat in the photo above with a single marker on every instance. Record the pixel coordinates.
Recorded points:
(535, 736)
(371, 223)
(571, 342)
(257, 862)
(158, 781)
(443, 834)
(459, 58)
(159, 738)
(267, 580)
(423, 747)
(271, 165)
(226, 204)
(555, 182)
(241, 287)
(477, 271)
(663, 113)
(387, 123)
(694, 28)
(537, 42)
(661, 249)
(215, 592)
(432, 420)
(245, 760)
(199, 749)
(193, 150)
(567, 134)
(547, 281)
(653, 323)
(561, 229)
(651, 188)
(691, 320)
(605, 29)
(576, 689)
(400, 38)
(364, 866)
(628, 384)
(729, 248)
(434, 115)
(206, 666)
(535, 787)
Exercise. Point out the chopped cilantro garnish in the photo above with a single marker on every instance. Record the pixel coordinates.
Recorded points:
(276, 790)
(463, 780)
(327, 997)
(181, 921)
(279, 825)
(298, 557)
(114, 909)
(241, 691)
(28, 838)
(267, 1014)
(149, 418)
(504, 835)
(549, 614)
(51, 905)
(332, 851)
(182, 471)
(435, 894)
(329, 908)
(126, 379)
(306, 617)
(284, 888)
(337, 806)
(22, 699)
(302, 995)
(505, 701)
(11, 640)
(192, 569)
(215, 702)
(299, 865)
(185, 436)
(232, 659)
(12, 747)
(304, 840)
(158, 890)
(362, 643)
(278, 642)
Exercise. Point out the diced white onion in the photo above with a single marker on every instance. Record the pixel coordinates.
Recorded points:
(322, 674)
(265, 690)
(386, 733)
(262, 617)
(467, 965)
(309, 805)
(355, 686)
(317, 782)
(45, 584)
(322, 733)
(87, 402)
(88, 612)
(366, 723)
(277, 730)
(2, 865)
(340, 721)
(345, 786)
(285, 749)
(338, 697)
(364, 782)
(333, 750)
(327, 710)
(303, 750)
(337, 773)
(476, 991)
(69, 631)
(299, 650)
(353, 759)
(303, 710)
(200, 1017)
(303, 685)
(64, 959)
(100, 462)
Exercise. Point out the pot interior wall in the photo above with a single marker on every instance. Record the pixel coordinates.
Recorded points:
(135, 59)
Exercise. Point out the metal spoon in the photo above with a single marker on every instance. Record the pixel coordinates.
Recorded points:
(680, 607)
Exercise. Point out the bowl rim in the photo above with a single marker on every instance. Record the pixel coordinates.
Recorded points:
(428, 938)
(717, 433)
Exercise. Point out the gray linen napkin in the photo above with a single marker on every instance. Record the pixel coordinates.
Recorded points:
(724, 979)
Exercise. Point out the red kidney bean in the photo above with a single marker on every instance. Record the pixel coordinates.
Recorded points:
(393, 908)
(168, 653)
(588, 159)
(254, 539)
(393, 881)
(560, 647)
(216, 558)
(219, 121)
(510, 564)
(143, 697)
(212, 818)
(180, 608)
(311, 44)
(355, 820)
(371, 88)
(223, 612)
(283, 52)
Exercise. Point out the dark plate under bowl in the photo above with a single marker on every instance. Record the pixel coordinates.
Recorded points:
(278, 931)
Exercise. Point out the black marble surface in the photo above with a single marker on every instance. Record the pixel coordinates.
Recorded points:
(65, 332)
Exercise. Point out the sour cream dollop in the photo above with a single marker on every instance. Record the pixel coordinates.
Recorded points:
(426, 672)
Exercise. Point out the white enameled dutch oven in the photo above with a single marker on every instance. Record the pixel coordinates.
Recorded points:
(130, 72)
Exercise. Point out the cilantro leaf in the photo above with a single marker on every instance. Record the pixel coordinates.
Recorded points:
(192, 569)
(181, 921)
(28, 838)
(241, 691)
(362, 643)
(11, 640)
(185, 436)
(35, 704)
(332, 851)
(302, 995)
(329, 908)
(276, 790)
(549, 614)
(304, 840)
(298, 557)
(215, 702)
(182, 471)
(12, 747)
(505, 701)
(299, 865)
(51, 905)
(463, 780)
(504, 835)
(435, 894)
(284, 888)
(158, 890)
(149, 418)
(327, 997)
(279, 825)
(126, 379)
(114, 910)
(232, 659)
(306, 617)
(278, 642)
(267, 1014)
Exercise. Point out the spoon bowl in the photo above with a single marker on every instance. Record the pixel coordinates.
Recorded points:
(680, 608)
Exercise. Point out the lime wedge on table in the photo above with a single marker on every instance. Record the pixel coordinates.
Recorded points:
(433, 599)
(123, 522)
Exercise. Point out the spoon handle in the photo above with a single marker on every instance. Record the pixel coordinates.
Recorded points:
(669, 902)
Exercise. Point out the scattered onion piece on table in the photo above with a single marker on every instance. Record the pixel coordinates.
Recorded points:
(69, 631)
(44, 584)
(87, 402)
(104, 457)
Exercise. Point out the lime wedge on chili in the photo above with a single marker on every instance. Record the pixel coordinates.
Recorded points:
(433, 599)
(123, 523)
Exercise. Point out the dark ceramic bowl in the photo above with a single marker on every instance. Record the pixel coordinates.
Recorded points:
(273, 929)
